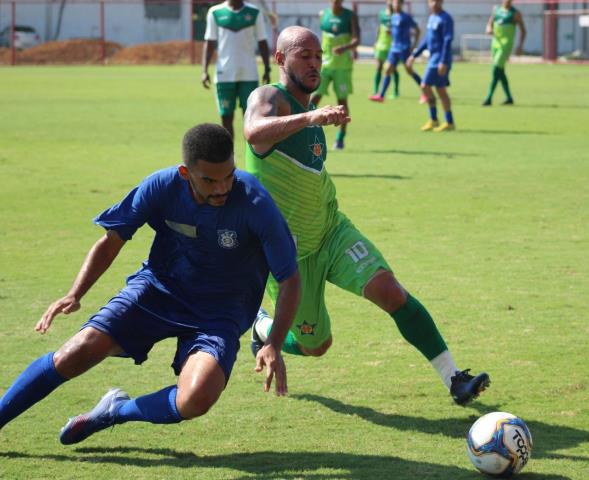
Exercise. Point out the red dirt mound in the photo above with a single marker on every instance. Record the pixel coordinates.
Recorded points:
(79, 51)
(164, 53)
(89, 51)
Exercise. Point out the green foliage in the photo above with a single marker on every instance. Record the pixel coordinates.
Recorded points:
(487, 226)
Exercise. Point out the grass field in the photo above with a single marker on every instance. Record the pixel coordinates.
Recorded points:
(487, 225)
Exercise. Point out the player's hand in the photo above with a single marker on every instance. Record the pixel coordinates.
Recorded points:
(519, 51)
(339, 50)
(271, 358)
(329, 115)
(65, 305)
(489, 30)
(442, 70)
(409, 62)
(206, 80)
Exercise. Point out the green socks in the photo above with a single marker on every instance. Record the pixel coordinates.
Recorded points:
(418, 328)
(377, 78)
(396, 82)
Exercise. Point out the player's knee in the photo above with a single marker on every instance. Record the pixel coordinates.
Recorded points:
(385, 291)
(320, 350)
(194, 404)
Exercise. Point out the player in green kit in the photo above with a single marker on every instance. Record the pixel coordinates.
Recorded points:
(286, 152)
(383, 43)
(502, 25)
(341, 34)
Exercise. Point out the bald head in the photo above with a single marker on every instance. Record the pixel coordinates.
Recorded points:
(293, 37)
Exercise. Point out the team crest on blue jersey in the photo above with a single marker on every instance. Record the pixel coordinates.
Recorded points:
(227, 239)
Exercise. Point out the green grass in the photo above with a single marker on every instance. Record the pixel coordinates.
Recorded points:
(486, 225)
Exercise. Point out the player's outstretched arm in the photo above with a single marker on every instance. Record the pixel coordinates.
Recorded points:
(268, 119)
(99, 258)
(289, 294)
(519, 21)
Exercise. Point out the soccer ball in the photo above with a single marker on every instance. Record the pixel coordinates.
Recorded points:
(499, 444)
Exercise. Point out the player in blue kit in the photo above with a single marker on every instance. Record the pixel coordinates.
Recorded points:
(218, 234)
(438, 41)
(402, 27)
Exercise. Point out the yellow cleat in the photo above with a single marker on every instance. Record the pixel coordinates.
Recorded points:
(430, 125)
(445, 127)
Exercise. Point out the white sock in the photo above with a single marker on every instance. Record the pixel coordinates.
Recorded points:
(445, 366)
(263, 324)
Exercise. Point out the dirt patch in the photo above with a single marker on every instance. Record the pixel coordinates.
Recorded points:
(89, 51)
(165, 53)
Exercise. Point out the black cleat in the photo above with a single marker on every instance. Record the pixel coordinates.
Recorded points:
(256, 342)
(509, 101)
(465, 387)
(486, 103)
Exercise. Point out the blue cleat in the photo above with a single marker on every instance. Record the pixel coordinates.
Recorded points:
(339, 144)
(102, 416)
(256, 342)
(465, 387)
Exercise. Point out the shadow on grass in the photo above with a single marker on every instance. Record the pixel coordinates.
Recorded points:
(547, 438)
(272, 465)
(368, 175)
(506, 132)
(425, 153)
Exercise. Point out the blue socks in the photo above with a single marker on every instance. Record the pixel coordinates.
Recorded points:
(449, 117)
(385, 85)
(37, 381)
(417, 78)
(433, 113)
(157, 407)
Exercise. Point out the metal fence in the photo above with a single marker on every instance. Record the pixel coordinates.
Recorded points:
(554, 26)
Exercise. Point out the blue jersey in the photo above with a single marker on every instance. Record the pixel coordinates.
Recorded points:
(438, 40)
(401, 26)
(213, 260)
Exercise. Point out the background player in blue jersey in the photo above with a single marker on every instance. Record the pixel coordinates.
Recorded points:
(438, 40)
(217, 235)
(402, 25)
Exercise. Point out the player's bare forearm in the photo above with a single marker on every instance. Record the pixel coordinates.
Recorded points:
(289, 295)
(99, 258)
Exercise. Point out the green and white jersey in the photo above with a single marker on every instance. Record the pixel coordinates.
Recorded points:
(504, 25)
(237, 33)
(294, 173)
(336, 30)
(384, 37)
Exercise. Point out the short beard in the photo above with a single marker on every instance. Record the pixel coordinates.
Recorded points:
(300, 85)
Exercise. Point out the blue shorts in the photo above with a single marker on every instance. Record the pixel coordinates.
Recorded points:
(432, 78)
(141, 315)
(395, 57)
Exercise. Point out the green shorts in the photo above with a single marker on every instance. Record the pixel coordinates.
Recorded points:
(228, 92)
(500, 51)
(346, 259)
(381, 55)
(342, 82)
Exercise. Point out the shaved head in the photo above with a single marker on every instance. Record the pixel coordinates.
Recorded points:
(293, 37)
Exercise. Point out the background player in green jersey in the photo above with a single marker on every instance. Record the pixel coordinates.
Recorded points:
(341, 34)
(235, 29)
(286, 151)
(502, 25)
(383, 42)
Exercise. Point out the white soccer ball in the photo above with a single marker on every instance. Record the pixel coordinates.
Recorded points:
(499, 444)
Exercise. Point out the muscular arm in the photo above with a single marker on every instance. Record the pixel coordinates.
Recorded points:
(265, 54)
(268, 119)
(289, 295)
(207, 55)
(519, 20)
(489, 28)
(97, 261)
